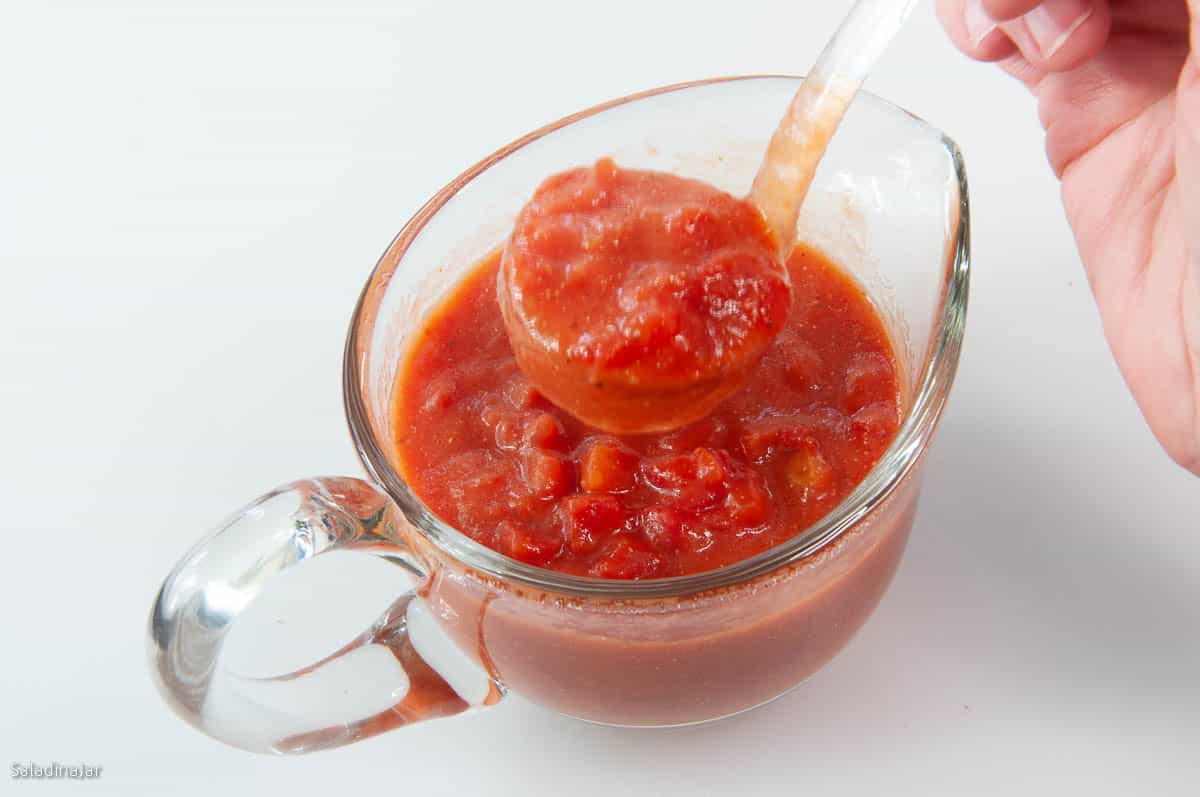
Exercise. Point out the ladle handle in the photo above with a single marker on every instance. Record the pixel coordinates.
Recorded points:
(820, 103)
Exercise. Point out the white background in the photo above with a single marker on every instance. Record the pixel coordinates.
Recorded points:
(191, 195)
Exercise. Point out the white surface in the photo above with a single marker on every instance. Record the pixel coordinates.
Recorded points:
(191, 196)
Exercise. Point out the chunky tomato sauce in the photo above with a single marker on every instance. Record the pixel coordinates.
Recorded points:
(496, 459)
(638, 300)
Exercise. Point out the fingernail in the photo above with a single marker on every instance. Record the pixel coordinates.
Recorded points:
(1052, 23)
(979, 24)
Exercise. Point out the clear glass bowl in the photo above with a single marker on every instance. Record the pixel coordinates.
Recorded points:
(889, 203)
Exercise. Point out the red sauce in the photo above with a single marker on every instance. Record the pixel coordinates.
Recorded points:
(638, 300)
(496, 459)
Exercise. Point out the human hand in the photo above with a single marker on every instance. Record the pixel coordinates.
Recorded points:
(1118, 91)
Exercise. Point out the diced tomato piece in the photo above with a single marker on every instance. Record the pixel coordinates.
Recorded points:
(809, 473)
(474, 473)
(670, 474)
(626, 556)
(758, 440)
(664, 528)
(763, 437)
(607, 467)
(532, 546)
(868, 378)
(547, 475)
(544, 431)
(748, 504)
(710, 470)
(590, 519)
(875, 423)
(477, 471)
(697, 480)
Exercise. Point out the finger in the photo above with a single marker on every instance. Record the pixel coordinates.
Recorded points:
(972, 31)
(1059, 35)
(1017, 67)
(1004, 10)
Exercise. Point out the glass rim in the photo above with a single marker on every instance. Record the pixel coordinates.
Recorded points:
(911, 440)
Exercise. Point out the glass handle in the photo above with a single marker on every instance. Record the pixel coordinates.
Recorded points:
(401, 670)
